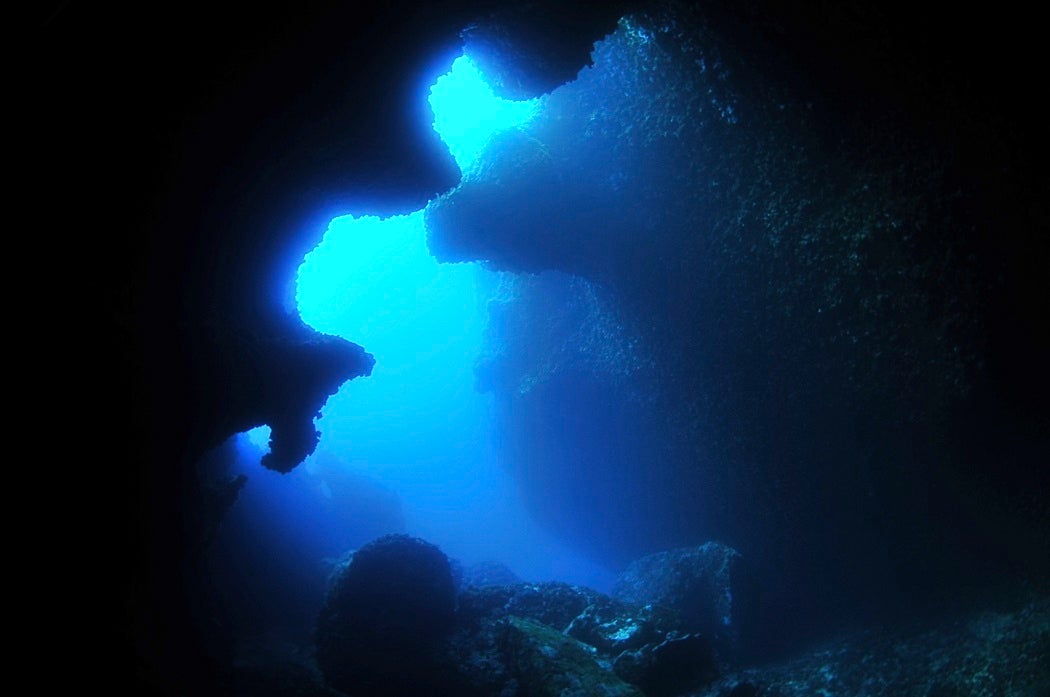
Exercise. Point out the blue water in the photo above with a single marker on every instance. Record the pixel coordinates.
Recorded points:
(467, 112)
(415, 436)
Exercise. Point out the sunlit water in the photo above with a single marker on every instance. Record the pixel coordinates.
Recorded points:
(417, 426)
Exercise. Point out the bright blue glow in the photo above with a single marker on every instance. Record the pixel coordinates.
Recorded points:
(467, 113)
(372, 281)
(416, 426)
(259, 437)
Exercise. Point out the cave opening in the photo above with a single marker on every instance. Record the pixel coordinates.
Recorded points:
(697, 337)
(410, 447)
(799, 315)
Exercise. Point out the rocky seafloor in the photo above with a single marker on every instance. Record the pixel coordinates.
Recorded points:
(982, 653)
(400, 618)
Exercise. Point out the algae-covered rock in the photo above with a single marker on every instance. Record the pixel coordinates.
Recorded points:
(547, 663)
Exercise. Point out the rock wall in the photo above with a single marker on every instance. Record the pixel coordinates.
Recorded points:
(815, 259)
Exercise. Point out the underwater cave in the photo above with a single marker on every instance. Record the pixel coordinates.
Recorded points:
(653, 349)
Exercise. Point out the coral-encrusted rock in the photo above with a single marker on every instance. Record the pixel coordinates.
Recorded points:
(546, 663)
(381, 626)
(554, 604)
(697, 583)
(489, 573)
(613, 627)
(477, 658)
(642, 645)
(647, 646)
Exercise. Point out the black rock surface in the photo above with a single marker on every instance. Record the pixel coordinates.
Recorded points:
(384, 618)
(672, 667)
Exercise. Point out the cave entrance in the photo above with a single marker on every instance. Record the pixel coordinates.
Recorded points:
(416, 428)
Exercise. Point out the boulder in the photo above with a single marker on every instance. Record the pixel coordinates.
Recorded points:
(380, 630)
(696, 583)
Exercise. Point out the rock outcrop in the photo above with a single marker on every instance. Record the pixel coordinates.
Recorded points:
(387, 629)
(701, 585)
